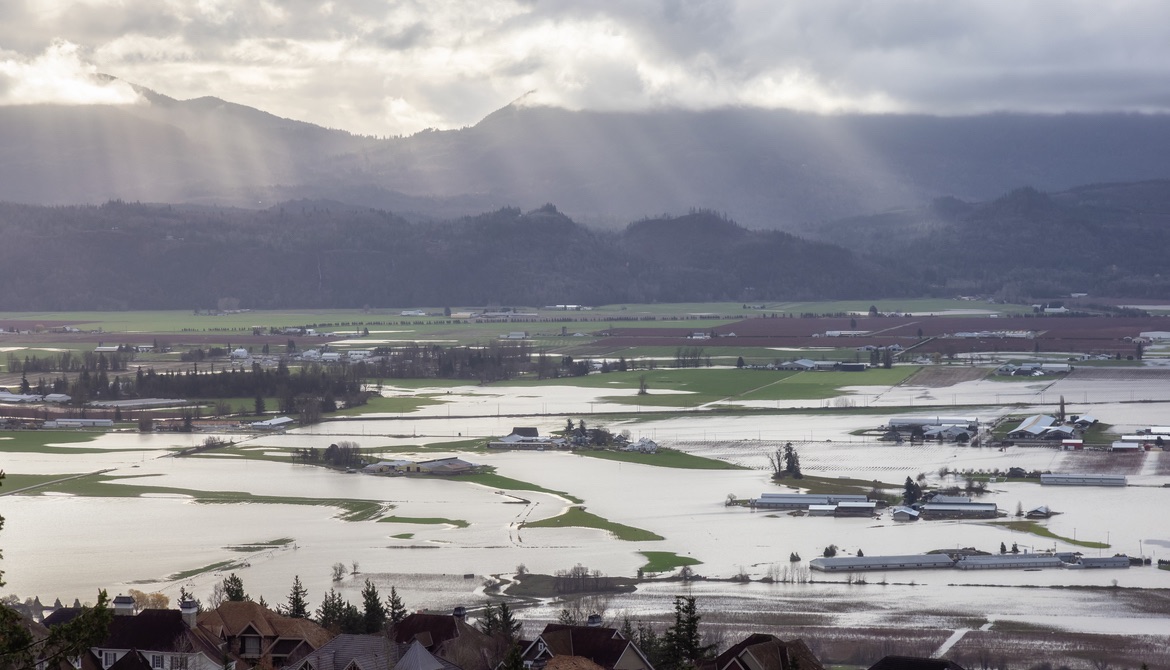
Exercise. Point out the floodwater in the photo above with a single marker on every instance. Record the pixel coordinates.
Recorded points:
(65, 546)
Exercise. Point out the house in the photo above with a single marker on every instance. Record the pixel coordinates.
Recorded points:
(604, 646)
(240, 353)
(370, 652)
(384, 467)
(256, 636)
(446, 636)
(163, 639)
(761, 651)
(644, 445)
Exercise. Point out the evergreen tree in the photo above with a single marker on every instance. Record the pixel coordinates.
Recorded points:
(490, 623)
(514, 660)
(913, 492)
(509, 626)
(375, 613)
(298, 605)
(331, 613)
(233, 589)
(682, 643)
(395, 610)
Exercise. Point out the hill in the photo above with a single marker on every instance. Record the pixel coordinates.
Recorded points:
(327, 254)
(769, 169)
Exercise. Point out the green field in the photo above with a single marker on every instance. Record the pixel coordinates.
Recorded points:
(508, 484)
(665, 458)
(458, 523)
(577, 517)
(665, 561)
(1035, 528)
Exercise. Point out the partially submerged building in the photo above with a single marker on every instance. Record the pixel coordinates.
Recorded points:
(1083, 480)
(870, 563)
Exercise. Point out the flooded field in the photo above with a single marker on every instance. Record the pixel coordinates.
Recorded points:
(154, 522)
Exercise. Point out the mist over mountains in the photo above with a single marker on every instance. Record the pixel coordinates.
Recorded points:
(737, 204)
(765, 169)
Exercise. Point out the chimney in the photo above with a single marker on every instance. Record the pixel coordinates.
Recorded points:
(123, 606)
(190, 610)
(594, 621)
(460, 613)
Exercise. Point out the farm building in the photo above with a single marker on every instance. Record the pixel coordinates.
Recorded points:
(1032, 427)
(822, 510)
(906, 514)
(445, 466)
(1098, 562)
(973, 510)
(1041, 512)
(79, 423)
(1123, 445)
(863, 563)
(1009, 561)
(940, 498)
(1083, 480)
(384, 467)
(274, 424)
(803, 500)
(856, 508)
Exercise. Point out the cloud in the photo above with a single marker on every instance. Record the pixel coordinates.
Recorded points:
(380, 67)
(58, 76)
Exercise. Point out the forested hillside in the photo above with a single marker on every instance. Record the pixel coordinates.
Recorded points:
(326, 254)
(1105, 239)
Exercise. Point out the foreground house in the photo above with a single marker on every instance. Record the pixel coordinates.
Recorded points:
(370, 652)
(604, 647)
(448, 637)
(914, 663)
(256, 636)
(765, 652)
(157, 639)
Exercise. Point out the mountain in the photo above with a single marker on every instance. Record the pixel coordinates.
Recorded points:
(1104, 239)
(328, 254)
(769, 169)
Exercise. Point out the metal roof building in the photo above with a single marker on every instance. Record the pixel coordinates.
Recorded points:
(974, 510)
(803, 500)
(858, 563)
(1008, 561)
(1083, 480)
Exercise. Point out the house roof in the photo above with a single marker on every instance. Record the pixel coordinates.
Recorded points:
(914, 663)
(768, 652)
(338, 653)
(571, 663)
(149, 630)
(430, 629)
(603, 646)
(418, 658)
(131, 661)
(233, 618)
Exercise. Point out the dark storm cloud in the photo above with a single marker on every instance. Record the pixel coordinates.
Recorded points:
(397, 66)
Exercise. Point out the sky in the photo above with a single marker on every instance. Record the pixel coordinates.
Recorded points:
(390, 67)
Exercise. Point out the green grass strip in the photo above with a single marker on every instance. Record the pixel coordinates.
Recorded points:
(508, 484)
(1035, 528)
(458, 523)
(665, 561)
(666, 458)
(187, 574)
(577, 517)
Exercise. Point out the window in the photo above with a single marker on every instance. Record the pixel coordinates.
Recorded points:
(250, 645)
(156, 660)
(179, 662)
(109, 658)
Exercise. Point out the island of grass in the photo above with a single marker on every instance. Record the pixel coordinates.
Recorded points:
(1035, 528)
(666, 458)
(508, 484)
(577, 517)
(665, 561)
(437, 520)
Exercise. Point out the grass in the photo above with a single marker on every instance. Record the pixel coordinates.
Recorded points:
(403, 536)
(1035, 528)
(508, 484)
(665, 561)
(698, 386)
(43, 441)
(458, 523)
(103, 486)
(822, 485)
(252, 547)
(187, 574)
(577, 517)
(666, 458)
(391, 405)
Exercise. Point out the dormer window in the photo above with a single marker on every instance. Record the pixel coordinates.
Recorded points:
(156, 661)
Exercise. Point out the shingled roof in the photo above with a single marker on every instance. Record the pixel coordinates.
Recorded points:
(767, 652)
(914, 663)
(603, 646)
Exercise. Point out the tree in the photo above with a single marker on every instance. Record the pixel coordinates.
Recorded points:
(298, 605)
(258, 407)
(395, 610)
(233, 589)
(682, 642)
(1002, 548)
(913, 492)
(509, 626)
(489, 624)
(739, 362)
(331, 613)
(374, 612)
(339, 569)
(18, 648)
(148, 601)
